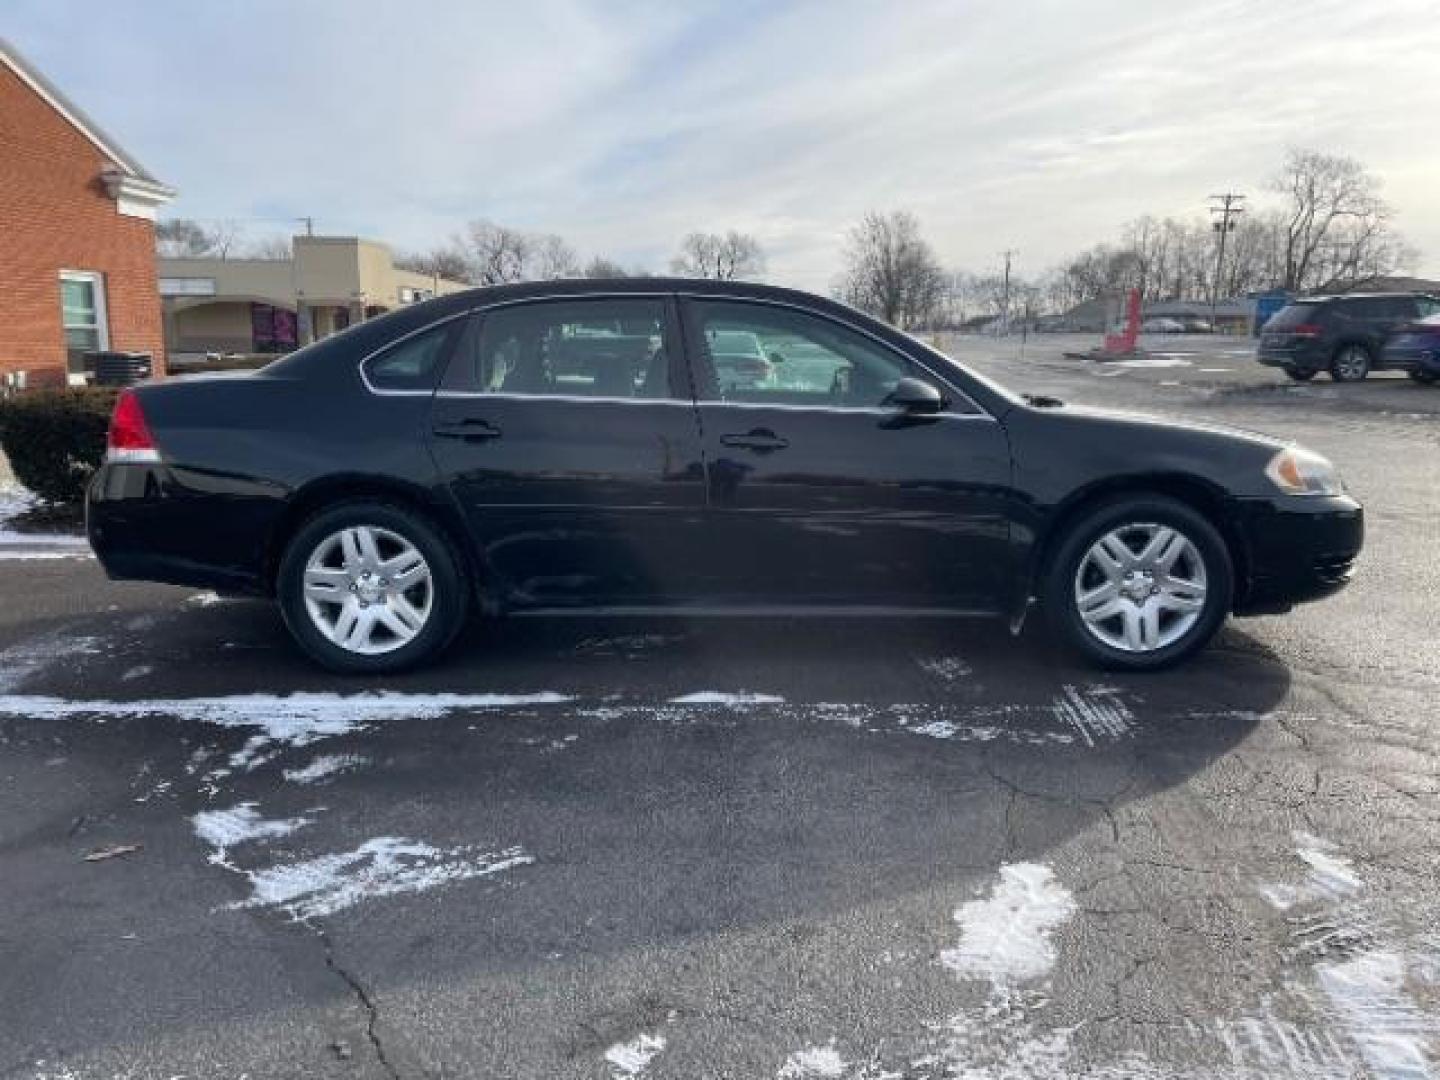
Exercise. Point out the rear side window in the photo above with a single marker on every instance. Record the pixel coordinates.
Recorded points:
(603, 348)
(1294, 315)
(413, 363)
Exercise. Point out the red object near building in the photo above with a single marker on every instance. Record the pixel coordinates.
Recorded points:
(1124, 342)
(77, 236)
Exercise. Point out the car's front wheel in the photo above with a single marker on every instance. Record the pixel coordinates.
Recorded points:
(367, 587)
(1426, 378)
(1139, 583)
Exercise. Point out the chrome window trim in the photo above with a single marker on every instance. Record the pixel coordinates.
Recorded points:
(978, 414)
(396, 343)
(791, 306)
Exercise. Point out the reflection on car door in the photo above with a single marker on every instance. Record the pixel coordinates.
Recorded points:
(821, 495)
(573, 450)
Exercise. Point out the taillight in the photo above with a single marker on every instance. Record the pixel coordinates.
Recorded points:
(1304, 330)
(129, 438)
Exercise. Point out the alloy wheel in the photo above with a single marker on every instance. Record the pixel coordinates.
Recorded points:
(1140, 587)
(368, 589)
(1352, 365)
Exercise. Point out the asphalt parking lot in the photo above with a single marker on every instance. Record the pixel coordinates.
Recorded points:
(676, 849)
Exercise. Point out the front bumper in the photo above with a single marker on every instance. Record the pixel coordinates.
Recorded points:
(1297, 549)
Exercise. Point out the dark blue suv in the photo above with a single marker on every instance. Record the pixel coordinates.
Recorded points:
(1344, 335)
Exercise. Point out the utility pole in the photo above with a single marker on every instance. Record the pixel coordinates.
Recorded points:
(309, 225)
(1228, 209)
(1005, 293)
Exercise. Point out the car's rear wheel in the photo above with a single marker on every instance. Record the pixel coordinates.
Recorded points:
(370, 587)
(1139, 583)
(1300, 374)
(1428, 378)
(1351, 363)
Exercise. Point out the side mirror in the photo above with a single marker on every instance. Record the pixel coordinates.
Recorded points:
(915, 396)
(775, 357)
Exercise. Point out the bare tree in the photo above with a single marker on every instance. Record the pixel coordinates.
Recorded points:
(891, 271)
(725, 257)
(273, 247)
(187, 238)
(551, 257)
(497, 254)
(1329, 200)
(447, 261)
(601, 267)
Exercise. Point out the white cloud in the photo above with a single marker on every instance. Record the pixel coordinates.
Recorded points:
(1038, 126)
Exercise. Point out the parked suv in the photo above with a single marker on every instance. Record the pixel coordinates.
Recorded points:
(1343, 335)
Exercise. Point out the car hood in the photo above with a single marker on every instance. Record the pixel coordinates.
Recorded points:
(1166, 425)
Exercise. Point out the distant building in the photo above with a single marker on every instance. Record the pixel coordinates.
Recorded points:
(274, 305)
(77, 235)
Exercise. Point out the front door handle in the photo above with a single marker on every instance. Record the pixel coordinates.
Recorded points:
(469, 430)
(760, 440)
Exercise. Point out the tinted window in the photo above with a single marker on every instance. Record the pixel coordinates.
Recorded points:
(411, 364)
(1395, 308)
(611, 348)
(1294, 315)
(773, 355)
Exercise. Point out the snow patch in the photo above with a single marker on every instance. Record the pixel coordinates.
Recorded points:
(735, 700)
(1095, 713)
(205, 599)
(633, 1057)
(323, 767)
(19, 662)
(241, 824)
(1391, 1031)
(139, 671)
(1006, 937)
(10, 555)
(947, 668)
(815, 1061)
(384, 866)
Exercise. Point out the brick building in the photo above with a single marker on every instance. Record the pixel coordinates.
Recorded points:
(77, 235)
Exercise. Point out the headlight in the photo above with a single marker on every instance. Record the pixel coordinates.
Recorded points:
(1299, 472)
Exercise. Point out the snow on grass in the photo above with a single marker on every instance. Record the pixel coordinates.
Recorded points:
(384, 866)
(815, 1061)
(633, 1058)
(734, 700)
(324, 766)
(1006, 937)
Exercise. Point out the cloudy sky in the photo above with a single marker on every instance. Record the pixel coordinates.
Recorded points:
(1037, 125)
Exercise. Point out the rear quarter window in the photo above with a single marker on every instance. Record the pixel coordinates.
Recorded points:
(413, 363)
(1295, 315)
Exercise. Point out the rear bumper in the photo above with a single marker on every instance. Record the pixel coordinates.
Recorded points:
(153, 522)
(1298, 548)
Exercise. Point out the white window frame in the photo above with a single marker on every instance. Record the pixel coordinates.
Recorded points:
(96, 280)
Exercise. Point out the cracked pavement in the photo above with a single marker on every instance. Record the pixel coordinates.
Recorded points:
(505, 885)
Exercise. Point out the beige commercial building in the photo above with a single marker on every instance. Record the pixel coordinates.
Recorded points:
(274, 305)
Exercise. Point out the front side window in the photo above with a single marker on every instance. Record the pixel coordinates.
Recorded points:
(82, 312)
(603, 348)
(762, 354)
(411, 364)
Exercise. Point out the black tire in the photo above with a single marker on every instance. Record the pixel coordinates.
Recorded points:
(1058, 586)
(1300, 374)
(449, 594)
(1351, 363)
(1424, 378)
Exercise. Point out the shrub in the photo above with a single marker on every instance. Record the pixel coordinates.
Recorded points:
(55, 439)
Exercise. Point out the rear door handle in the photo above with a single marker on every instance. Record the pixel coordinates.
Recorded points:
(469, 430)
(761, 440)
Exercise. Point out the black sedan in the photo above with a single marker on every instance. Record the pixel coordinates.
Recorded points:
(561, 447)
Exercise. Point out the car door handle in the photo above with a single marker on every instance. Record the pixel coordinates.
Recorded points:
(761, 440)
(469, 430)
